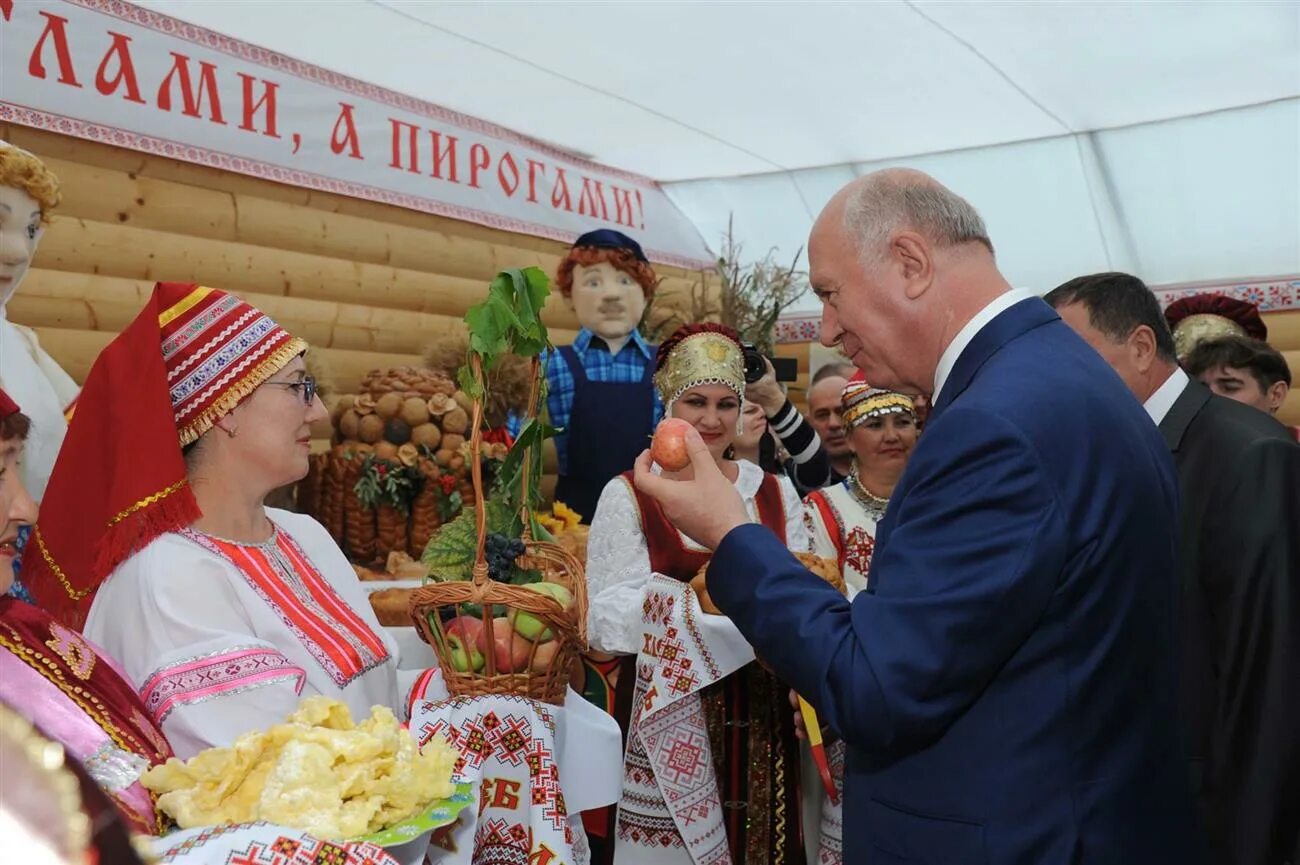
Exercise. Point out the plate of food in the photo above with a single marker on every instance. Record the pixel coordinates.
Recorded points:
(320, 772)
(439, 813)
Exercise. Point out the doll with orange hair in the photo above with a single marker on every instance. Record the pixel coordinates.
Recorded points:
(599, 389)
(28, 193)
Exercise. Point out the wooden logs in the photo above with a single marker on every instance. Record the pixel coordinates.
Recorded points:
(76, 350)
(1284, 331)
(83, 246)
(60, 299)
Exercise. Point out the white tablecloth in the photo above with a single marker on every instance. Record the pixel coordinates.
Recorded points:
(537, 767)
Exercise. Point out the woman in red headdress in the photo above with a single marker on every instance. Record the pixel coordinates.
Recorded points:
(153, 534)
(75, 701)
(747, 787)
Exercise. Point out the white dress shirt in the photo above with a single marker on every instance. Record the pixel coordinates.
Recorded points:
(948, 359)
(1160, 402)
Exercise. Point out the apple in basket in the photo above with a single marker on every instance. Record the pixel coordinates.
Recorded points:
(531, 627)
(668, 448)
(510, 649)
(465, 638)
(545, 655)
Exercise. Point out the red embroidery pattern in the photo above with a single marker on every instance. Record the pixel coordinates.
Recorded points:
(510, 741)
(858, 549)
(676, 663)
(201, 678)
(286, 580)
(300, 849)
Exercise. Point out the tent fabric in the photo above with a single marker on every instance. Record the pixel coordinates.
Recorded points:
(1162, 138)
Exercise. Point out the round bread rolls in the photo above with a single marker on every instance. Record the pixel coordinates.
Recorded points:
(390, 606)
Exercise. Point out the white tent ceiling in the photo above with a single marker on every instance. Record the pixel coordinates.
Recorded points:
(1060, 121)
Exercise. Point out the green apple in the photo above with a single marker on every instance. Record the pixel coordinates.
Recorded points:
(529, 626)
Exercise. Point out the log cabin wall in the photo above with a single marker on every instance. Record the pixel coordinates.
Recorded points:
(368, 285)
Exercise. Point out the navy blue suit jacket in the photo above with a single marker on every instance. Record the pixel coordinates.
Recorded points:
(1008, 686)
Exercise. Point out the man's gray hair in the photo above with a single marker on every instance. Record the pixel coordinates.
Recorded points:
(885, 205)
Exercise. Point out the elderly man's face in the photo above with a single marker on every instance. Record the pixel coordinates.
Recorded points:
(860, 305)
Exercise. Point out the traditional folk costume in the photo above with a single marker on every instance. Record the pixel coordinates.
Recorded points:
(78, 697)
(218, 637)
(841, 521)
(733, 791)
(842, 518)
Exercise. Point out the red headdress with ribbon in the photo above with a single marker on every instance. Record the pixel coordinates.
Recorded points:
(1206, 316)
(190, 356)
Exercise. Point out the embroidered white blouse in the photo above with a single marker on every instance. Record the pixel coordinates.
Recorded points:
(833, 512)
(618, 559)
(223, 638)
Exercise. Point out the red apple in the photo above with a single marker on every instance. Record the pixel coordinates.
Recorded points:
(510, 650)
(668, 448)
(466, 641)
(545, 655)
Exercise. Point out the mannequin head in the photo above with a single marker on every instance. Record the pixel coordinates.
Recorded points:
(29, 192)
(607, 281)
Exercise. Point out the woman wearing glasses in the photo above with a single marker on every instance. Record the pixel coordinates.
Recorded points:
(153, 536)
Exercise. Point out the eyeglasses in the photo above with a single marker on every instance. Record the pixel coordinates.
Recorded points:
(306, 387)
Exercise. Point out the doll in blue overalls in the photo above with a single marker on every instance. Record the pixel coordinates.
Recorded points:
(599, 393)
(601, 397)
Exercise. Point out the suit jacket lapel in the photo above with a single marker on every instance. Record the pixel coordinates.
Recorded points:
(1189, 403)
(1006, 326)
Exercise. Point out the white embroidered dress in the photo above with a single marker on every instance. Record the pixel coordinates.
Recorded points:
(222, 638)
(666, 817)
(618, 558)
(842, 529)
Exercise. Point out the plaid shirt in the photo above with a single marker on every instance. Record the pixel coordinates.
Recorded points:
(628, 366)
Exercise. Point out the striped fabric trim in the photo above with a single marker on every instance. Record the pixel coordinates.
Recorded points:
(337, 638)
(218, 370)
(184, 305)
(199, 325)
(420, 689)
(201, 678)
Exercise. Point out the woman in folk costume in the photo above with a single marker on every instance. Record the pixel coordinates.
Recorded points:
(842, 518)
(153, 535)
(78, 698)
(746, 725)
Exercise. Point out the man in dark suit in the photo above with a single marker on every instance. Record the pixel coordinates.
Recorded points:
(1006, 686)
(1239, 471)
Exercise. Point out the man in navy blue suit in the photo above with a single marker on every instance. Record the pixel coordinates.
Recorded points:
(1007, 685)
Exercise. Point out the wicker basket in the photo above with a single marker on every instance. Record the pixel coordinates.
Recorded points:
(541, 680)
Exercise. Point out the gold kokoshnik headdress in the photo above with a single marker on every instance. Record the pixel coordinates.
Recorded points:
(700, 354)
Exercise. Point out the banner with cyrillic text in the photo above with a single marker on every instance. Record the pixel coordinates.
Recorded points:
(123, 75)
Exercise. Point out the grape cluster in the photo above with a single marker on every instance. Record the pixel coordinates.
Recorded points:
(501, 553)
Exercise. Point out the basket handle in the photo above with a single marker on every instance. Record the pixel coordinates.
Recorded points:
(476, 467)
(525, 481)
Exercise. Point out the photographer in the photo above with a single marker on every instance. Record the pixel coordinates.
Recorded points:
(808, 466)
